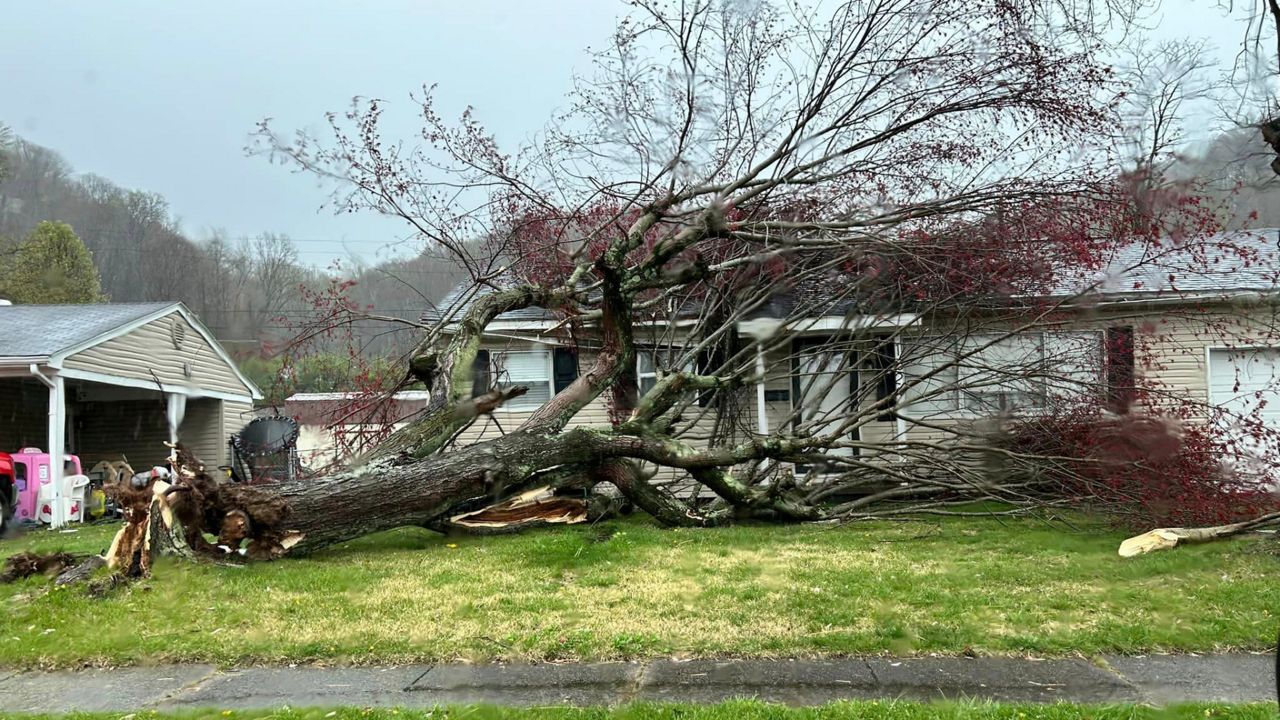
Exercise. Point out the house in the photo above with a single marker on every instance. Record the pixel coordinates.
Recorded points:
(1200, 320)
(328, 422)
(107, 381)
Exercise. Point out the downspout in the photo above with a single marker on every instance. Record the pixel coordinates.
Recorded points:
(56, 439)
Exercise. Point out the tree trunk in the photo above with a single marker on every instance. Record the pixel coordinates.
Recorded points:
(380, 495)
(386, 494)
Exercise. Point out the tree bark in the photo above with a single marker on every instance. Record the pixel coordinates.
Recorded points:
(390, 493)
(304, 515)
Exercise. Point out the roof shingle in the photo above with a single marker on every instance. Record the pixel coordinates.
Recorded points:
(44, 330)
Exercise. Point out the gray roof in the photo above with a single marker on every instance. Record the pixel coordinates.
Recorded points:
(460, 298)
(1225, 263)
(1242, 261)
(44, 330)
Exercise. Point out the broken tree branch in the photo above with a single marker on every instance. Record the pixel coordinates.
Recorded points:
(1165, 538)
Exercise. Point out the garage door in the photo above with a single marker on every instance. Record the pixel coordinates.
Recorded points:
(1246, 382)
(1242, 380)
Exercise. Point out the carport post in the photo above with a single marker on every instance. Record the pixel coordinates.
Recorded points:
(57, 440)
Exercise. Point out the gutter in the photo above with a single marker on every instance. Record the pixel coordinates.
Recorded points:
(35, 370)
(1259, 297)
(22, 361)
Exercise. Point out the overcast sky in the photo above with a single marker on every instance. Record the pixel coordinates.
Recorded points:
(161, 95)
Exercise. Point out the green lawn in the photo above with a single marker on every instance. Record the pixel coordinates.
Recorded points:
(744, 710)
(629, 589)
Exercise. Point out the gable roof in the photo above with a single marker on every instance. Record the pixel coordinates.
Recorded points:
(50, 333)
(41, 331)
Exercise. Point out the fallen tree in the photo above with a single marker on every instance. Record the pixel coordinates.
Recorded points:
(870, 213)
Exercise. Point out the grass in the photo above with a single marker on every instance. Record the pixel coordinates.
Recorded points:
(629, 589)
(741, 710)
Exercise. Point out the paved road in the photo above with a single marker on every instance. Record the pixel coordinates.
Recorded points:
(1150, 679)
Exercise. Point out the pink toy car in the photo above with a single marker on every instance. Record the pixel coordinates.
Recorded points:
(31, 470)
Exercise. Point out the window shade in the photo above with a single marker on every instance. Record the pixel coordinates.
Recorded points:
(530, 368)
(516, 367)
(1005, 374)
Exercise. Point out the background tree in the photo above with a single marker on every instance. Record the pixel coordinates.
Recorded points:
(52, 266)
(281, 375)
(6, 144)
(241, 287)
(1254, 76)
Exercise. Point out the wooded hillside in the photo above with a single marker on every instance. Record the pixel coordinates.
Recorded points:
(241, 287)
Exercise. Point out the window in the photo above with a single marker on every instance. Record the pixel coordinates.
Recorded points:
(531, 368)
(1073, 364)
(988, 374)
(930, 376)
(1003, 374)
(646, 371)
(652, 364)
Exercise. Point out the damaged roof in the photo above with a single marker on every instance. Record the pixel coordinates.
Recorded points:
(37, 331)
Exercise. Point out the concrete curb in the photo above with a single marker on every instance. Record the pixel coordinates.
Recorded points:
(1147, 679)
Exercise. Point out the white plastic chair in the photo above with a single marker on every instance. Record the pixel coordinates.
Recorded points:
(74, 488)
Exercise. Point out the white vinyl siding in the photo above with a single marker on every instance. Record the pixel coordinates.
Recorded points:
(147, 353)
(531, 368)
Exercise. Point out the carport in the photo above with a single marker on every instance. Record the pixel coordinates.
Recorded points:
(105, 382)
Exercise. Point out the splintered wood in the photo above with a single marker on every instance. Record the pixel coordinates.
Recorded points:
(1161, 539)
(175, 519)
(538, 506)
(148, 532)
